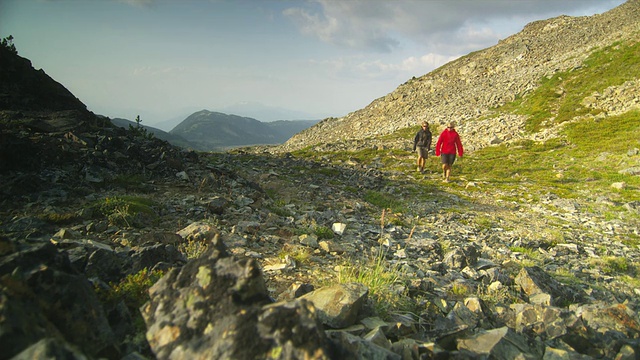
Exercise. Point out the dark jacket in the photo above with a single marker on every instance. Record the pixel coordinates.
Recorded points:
(422, 139)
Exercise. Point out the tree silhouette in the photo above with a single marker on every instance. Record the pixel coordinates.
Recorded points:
(7, 43)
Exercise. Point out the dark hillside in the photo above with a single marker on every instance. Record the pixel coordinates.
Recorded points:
(24, 88)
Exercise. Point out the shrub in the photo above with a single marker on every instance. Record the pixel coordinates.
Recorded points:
(193, 249)
(300, 254)
(7, 43)
(323, 232)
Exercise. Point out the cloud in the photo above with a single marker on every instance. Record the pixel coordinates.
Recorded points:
(152, 70)
(333, 23)
(410, 66)
(383, 26)
(138, 3)
(358, 67)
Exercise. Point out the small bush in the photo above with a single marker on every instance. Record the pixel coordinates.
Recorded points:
(193, 249)
(460, 290)
(300, 254)
(133, 289)
(323, 232)
(7, 43)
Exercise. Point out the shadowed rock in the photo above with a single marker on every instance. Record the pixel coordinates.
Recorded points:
(218, 307)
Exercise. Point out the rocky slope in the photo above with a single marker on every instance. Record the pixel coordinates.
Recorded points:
(468, 89)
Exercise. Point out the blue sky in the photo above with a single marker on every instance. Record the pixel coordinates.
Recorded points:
(166, 59)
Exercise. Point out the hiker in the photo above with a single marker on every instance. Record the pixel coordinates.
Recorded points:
(446, 146)
(422, 142)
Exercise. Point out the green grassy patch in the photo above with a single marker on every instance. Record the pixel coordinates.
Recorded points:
(384, 201)
(561, 95)
(127, 211)
(384, 281)
(567, 167)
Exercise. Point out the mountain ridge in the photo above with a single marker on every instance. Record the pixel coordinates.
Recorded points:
(213, 131)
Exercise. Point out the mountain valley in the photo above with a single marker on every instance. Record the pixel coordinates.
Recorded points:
(330, 245)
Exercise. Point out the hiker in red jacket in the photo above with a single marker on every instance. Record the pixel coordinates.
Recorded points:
(448, 142)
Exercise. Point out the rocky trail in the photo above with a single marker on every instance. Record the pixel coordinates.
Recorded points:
(469, 263)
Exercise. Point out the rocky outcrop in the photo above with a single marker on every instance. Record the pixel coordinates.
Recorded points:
(218, 307)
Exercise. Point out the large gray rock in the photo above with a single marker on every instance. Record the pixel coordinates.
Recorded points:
(502, 343)
(339, 305)
(217, 307)
(537, 284)
(47, 298)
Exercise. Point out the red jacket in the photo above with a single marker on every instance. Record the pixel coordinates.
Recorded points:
(447, 143)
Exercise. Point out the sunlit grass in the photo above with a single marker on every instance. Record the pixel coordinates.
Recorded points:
(384, 281)
(559, 97)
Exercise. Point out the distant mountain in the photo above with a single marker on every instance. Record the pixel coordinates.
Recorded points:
(210, 131)
(169, 124)
(162, 135)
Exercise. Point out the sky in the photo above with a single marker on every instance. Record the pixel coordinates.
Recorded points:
(164, 59)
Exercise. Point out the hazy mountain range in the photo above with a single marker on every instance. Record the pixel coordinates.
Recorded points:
(251, 109)
(213, 131)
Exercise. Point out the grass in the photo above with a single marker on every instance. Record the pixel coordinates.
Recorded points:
(566, 167)
(617, 265)
(530, 256)
(127, 211)
(559, 97)
(323, 232)
(384, 201)
(278, 206)
(382, 280)
(484, 222)
(59, 218)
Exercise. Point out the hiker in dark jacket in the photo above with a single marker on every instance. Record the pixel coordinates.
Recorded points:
(422, 142)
